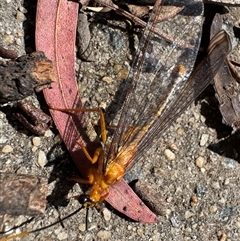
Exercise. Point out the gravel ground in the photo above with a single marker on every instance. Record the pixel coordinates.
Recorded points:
(194, 166)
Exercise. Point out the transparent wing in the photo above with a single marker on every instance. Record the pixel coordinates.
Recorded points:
(158, 74)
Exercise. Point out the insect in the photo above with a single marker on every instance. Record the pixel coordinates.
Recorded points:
(157, 92)
(154, 84)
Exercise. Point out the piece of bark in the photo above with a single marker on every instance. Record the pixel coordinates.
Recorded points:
(8, 54)
(154, 200)
(39, 122)
(83, 38)
(22, 194)
(23, 76)
(226, 87)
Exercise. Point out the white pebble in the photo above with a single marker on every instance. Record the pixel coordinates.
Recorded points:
(169, 154)
(36, 141)
(173, 147)
(106, 214)
(215, 185)
(42, 159)
(48, 133)
(62, 235)
(20, 16)
(227, 181)
(213, 209)
(18, 41)
(8, 39)
(200, 162)
(82, 227)
(34, 149)
(237, 224)
(188, 214)
(22, 9)
(107, 79)
(104, 235)
(7, 149)
(204, 139)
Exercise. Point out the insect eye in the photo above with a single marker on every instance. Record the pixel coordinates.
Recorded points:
(84, 199)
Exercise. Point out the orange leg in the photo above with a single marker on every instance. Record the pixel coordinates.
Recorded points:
(99, 111)
(98, 151)
(96, 155)
(81, 180)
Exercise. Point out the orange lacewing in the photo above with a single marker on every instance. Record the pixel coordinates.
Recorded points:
(158, 90)
(162, 65)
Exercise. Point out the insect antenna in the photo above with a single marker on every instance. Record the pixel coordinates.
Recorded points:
(86, 218)
(23, 234)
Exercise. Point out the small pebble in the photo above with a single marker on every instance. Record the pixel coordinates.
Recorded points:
(194, 226)
(175, 221)
(223, 237)
(237, 225)
(107, 79)
(226, 182)
(169, 154)
(8, 39)
(106, 214)
(20, 16)
(103, 105)
(104, 235)
(22, 9)
(7, 149)
(117, 67)
(129, 227)
(156, 237)
(82, 227)
(193, 204)
(139, 231)
(200, 162)
(34, 149)
(36, 141)
(18, 41)
(48, 133)
(42, 159)
(230, 163)
(122, 74)
(194, 199)
(180, 131)
(213, 209)
(188, 214)
(196, 115)
(173, 147)
(62, 236)
(204, 139)
(202, 118)
(188, 230)
(215, 185)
